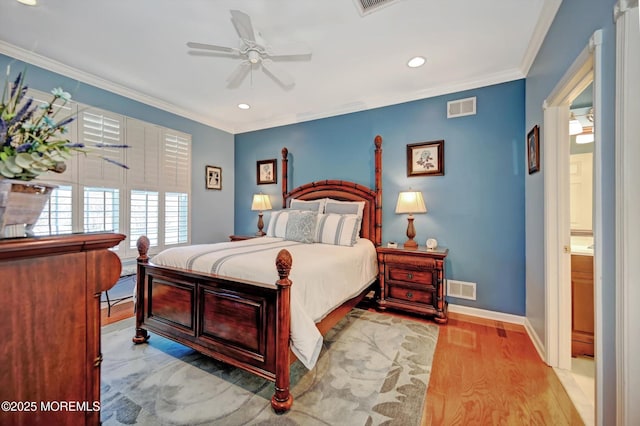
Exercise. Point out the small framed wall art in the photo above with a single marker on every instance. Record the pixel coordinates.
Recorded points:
(533, 149)
(425, 159)
(213, 177)
(266, 172)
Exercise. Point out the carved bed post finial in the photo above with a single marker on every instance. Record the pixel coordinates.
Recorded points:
(378, 165)
(285, 176)
(282, 399)
(142, 245)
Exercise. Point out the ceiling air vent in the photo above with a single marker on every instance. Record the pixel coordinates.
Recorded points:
(367, 6)
(461, 107)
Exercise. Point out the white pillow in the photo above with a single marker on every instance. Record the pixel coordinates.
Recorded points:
(338, 229)
(344, 207)
(311, 205)
(278, 224)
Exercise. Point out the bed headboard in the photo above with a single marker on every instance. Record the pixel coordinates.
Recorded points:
(344, 191)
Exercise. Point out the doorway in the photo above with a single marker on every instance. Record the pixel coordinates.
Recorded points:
(585, 71)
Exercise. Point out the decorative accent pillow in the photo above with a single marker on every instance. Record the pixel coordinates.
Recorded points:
(313, 205)
(278, 224)
(338, 229)
(301, 226)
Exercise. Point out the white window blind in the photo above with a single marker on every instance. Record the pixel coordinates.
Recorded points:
(143, 154)
(100, 131)
(101, 209)
(144, 215)
(176, 167)
(176, 218)
(57, 215)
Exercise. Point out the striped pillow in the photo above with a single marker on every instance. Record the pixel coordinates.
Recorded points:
(278, 224)
(338, 229)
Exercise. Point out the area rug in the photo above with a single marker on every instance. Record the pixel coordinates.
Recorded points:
(373, 369)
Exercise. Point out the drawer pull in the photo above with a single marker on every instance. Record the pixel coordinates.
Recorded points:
(409, 295)
(409, 276)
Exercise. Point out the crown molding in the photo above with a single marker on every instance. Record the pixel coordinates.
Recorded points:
(99, 82)
(548, 13)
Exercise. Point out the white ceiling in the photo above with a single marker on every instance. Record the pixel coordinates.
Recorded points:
(137, 48)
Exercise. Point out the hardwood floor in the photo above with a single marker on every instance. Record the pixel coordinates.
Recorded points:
(484, 373)
(488, 373)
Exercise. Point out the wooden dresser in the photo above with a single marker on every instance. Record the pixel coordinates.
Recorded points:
(412, 280)
(50, 309)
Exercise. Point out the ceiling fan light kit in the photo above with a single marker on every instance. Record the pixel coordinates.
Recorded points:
(254, 52)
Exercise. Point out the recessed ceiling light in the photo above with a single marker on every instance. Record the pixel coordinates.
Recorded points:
(28, 2)
(244, 106)
(416, 62)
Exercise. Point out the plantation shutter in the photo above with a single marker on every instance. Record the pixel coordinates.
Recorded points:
(69, 109)
(144, 217)
(176, 218)
(101, 132)
(143, 154)
(176, 161)
(57, 215)
(101, 209)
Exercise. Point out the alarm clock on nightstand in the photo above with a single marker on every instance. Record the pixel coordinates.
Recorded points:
(432, 243)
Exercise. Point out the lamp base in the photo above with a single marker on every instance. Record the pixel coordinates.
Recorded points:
(410, 244)
(260, 234)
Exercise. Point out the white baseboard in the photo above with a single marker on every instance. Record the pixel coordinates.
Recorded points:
(501, 316)
(483, 313)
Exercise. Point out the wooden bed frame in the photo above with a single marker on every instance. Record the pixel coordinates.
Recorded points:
(245, 324)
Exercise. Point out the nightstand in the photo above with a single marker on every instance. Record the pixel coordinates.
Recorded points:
(242, 237)
(412, 280)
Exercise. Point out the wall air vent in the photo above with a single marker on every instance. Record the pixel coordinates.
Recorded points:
(461, 107)
(367, 6)
(461, 289)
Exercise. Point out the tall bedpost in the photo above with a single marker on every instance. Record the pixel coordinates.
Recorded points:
(378, 162)
(282, 399)
(285, 176)
(143, 258)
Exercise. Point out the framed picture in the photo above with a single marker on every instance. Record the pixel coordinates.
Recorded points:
(533, 149)
(266, 172)
(213, 177)
(425, 159)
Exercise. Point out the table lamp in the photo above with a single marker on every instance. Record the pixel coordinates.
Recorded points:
(410, 202)
(260, 203)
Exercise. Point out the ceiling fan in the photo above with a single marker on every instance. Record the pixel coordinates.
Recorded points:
(254, 51)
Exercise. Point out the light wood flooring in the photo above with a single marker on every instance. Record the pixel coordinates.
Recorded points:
(484, 373)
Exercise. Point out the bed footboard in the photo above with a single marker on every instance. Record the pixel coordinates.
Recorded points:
(241, 323)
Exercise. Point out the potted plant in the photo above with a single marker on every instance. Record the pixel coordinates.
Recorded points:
(32, 143)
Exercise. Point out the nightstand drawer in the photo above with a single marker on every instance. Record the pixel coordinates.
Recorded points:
(397, 273)
(410, 294)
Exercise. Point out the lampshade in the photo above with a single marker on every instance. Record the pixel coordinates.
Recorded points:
(574, 125)
(410, 202)
(261, 202)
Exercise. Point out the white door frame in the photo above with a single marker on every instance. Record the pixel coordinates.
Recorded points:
(557, 234)
(627, 17)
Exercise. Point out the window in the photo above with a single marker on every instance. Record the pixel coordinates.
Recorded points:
(57, 215)
(101, 209)
(151, 198)
(176, 216)
(143, 217)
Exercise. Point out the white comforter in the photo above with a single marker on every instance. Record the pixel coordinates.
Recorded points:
(323, 276)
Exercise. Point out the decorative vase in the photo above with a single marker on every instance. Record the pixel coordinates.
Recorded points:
(21, 203)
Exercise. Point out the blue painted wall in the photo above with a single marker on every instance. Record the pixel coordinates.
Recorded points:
(574, 24)
(210, 146)
(476, 209)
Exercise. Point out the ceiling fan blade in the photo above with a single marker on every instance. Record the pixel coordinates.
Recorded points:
(213, 47)
(294, 51)
(281, 77)
(238, 74)
(243, 25)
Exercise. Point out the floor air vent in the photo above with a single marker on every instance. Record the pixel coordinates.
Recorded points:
(461, 107)
(367, 6)
(461, 289)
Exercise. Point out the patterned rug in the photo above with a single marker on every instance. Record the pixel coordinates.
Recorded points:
(373, 369)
